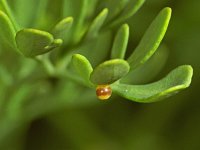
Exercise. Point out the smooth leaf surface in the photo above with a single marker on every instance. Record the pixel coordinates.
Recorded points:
(93, 48)
(62, 27)
(7, 31)
(97, 24)
(129, 10)
(115, 7)
(148, 71)
(109, 71)
(151, 39)
(24, 15)
(120, 42)
(32, 42)
(83, 67)
(6, 8)
(176, 80)
(80, 10)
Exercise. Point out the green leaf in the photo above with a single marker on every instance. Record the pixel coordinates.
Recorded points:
(151, 68)
(83, 67)
(151, 39)
(120, 42)
(79, 13)
(26, 15)
(62, 27)
(176, 80)
(115, 7)
(5, 8)
(93, 48)
(129, 10)
(97, 24)
(7, 31)
(109, 71)
(32, 42)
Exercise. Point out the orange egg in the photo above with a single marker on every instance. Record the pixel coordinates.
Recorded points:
(103, 92)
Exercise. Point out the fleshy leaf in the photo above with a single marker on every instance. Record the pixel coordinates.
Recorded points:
(83, 67)
(97, 24)
(80, 10)
(6, 9)
(176, 80)
(26, 15)
(151, 39)
(120, 42)
(129, 10)
(93, 48)
(62, 27)
(7, 31)
(115, 7)
(109, 71)
(32, 42)
(151, 68)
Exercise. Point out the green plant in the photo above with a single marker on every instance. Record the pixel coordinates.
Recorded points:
(43, 66)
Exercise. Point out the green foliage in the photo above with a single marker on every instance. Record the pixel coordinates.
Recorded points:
(120, 42)
(60, 42)
(61, 28)
(83, 67)
(7, 32)
(32, 42)
(176, 80)
(151, 39)
(97, 23)
(109, 71)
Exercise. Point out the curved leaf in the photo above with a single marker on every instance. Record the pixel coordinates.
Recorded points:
(7, 30)
(109, 71)
(151, 39)
(129, 10)
(61, 28)
(83, 67)
(78, 9)
(176, 80)
(97, 24)
(120, 42)
(32, 42)
(151, 68)
(6, 8)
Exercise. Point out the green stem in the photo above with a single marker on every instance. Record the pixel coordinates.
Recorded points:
(44, 60)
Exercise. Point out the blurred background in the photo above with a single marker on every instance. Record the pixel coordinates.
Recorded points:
(119, 124)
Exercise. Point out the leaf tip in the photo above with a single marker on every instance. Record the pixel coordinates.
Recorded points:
(125, 26)
(105, 11)
(168, 11)
(189, 73)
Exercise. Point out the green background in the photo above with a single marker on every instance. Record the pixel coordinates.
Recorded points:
(118, 124)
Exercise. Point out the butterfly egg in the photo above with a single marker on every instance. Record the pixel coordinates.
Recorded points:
(103, 92)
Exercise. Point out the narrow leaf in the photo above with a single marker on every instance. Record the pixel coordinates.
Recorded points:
(7, 31)
(129, 10)
(32, 42)
(151, 39)
(24, 14)
(97, 24)
(80, 18)
(120, 42)
(62, 27)
(5, 8)
(109, 71)
(176, 80)
(83, 67)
